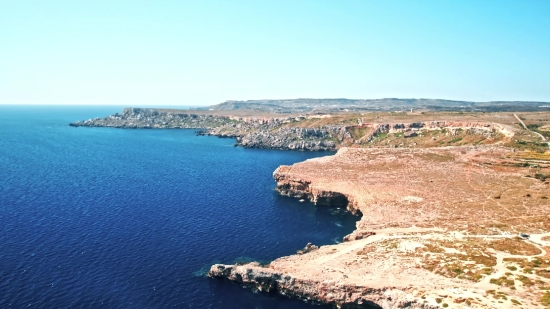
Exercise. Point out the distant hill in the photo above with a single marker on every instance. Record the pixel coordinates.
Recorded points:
(388, 104)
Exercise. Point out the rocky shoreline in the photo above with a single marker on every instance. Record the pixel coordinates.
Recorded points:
(344, 296)
(411, 248)
(249, 132)
(289, 133)
(423, 240)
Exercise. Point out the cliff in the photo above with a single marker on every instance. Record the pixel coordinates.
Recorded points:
(338, 293)
(303, 133)
(146, 118)
(437, 230)
(250, 132)
(289, 138)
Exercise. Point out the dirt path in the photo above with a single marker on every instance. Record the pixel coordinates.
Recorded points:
(525, 127)
(537, 238)
(386, 234)
(501, 269)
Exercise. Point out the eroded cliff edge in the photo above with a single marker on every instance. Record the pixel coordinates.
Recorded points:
(250, 132)
(438, 229)
(320, 132)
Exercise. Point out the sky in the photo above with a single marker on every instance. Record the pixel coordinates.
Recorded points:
(206, 52)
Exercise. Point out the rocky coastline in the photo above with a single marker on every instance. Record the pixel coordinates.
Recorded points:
(337, 294)
(286, 132)
(427, 202)
(249, 132)
(410, 248)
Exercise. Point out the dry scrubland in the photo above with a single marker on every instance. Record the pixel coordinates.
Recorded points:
(441, 214)
(523, 139)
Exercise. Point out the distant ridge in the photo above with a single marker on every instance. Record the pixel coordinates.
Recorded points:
(309, 105)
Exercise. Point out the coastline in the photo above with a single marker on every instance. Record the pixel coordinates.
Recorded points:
(403, 220)
(250, 132)
(317, 132)
(400, 235)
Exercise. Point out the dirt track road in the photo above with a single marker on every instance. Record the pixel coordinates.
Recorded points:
(525, 127)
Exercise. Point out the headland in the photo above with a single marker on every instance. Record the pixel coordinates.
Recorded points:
(454, 205)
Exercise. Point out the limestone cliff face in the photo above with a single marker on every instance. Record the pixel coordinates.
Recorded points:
(407, 199)
(280, 133)
(249, 132)
(289, 138)
(147, 118)
(301, 187)
(291, 186)
(478, 128)
(338, 294)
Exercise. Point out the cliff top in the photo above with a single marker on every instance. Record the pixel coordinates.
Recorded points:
(465, 226)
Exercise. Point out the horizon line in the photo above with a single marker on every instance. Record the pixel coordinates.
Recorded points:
(247, 100)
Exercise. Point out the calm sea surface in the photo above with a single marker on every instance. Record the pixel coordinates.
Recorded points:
(112, 218)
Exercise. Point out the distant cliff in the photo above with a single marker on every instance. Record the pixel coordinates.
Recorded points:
(146, 118)
(249, 132)
(309, 133)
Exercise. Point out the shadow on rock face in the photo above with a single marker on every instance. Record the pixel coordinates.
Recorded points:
(334, 199)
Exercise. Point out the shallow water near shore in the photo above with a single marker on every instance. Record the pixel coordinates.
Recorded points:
(112, 218)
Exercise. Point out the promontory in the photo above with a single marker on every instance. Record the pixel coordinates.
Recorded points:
(454, 202)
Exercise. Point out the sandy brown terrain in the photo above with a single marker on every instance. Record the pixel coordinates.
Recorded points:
(446, 223)
(455, 187)
(454, 207)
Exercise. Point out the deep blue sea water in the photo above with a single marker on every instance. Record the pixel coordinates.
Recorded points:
(113, 218)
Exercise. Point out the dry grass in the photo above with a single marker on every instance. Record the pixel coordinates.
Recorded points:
(497, 294)
(516, 246)
(351, 118)
(545, 299)
(530, 155)
(525, 280)
(537, 262)
(504, 281)
(361, 135)
(457, 188)
(360, 127)
(471, 261)
(435, 138)
(476, 191)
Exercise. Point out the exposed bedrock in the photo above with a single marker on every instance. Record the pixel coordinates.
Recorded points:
(474, 128)
(280, 133)
(329, 292)
(318, 197)
(249, 132)
(289, 138)
(408, 200)
(302, 188)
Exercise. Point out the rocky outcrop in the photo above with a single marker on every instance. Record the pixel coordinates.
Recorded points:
(308, 248)
(358, 234)
(301, 188)
(249, 132)
(410, 248)
(474, 128)
(281, 133)
(289, 138)
(340, 295)
(146, 118)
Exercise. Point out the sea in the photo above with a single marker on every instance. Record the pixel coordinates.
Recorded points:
(122, 218)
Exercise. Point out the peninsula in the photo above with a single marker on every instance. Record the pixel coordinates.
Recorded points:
(454, 202)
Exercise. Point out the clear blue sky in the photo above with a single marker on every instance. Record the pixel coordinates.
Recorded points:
(206, 52)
